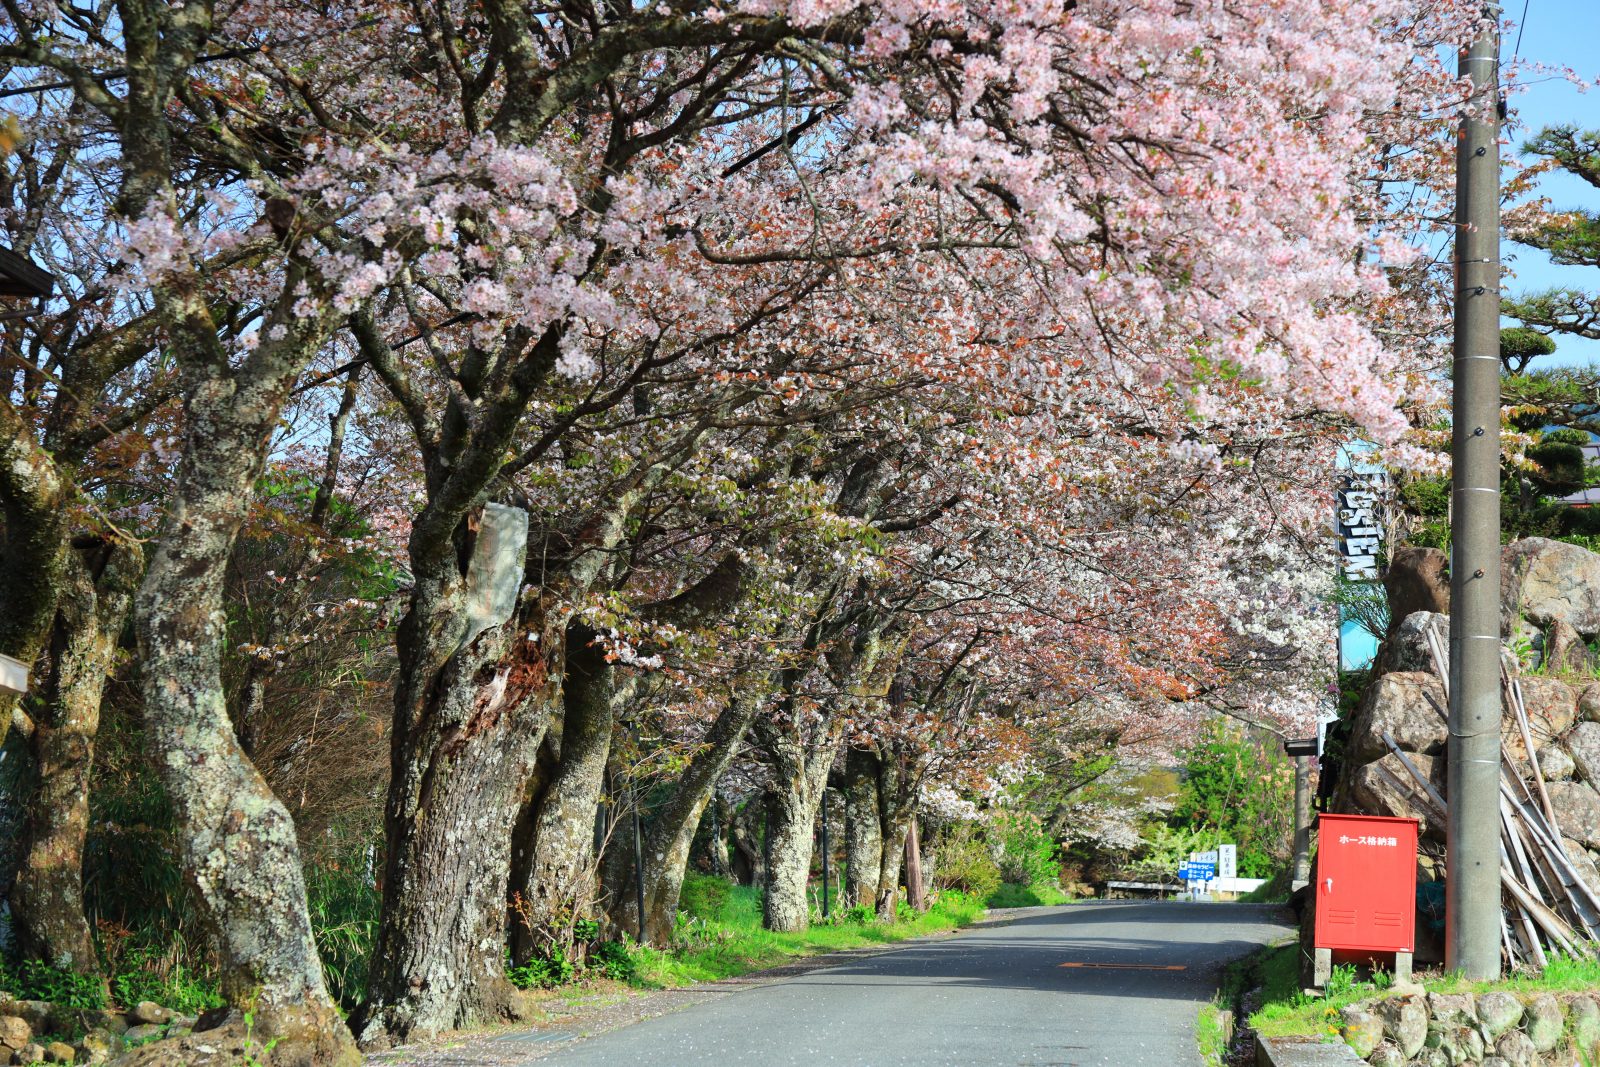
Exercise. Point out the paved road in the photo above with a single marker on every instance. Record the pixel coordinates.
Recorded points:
(990, 997)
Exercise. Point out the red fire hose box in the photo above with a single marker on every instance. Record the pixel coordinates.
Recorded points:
(1366, 889)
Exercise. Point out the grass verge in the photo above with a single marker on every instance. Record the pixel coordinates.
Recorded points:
(1274, 890)
(1014, 895)
(1287, 1012)
(1243, 974)
(731, 941)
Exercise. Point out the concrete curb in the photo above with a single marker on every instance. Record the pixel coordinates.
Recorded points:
(1287, 1052)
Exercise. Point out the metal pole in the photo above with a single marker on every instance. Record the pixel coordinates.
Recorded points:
(1472, 887)
(638, 864)
(824, 852)
(1300, 873)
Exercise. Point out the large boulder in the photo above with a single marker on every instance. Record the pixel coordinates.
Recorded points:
(1564, 651)
(1544, 580)
(1405, 1022)
(1555, 764)
(1584, 1021)
(14, 1032)
(1577, 811)
(1418, 579)
(1545, 1021)
(1582, 862)
(1517, 1050)
(1405, 647)
(1385, 787)
(1498, 1011)
(1399, 704)
(1552, 709)
(1582, 743)
(149, 1013)
(1453, 1009)
(1360, 1029)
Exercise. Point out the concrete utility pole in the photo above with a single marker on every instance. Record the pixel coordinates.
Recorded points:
(1472, 885)
(1303, 752)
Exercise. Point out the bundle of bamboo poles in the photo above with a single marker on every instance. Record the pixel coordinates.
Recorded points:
(1548, 907)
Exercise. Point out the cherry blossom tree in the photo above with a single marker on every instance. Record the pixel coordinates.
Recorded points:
(577, 240)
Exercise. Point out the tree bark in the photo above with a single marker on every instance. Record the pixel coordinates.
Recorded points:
(895, 822)
(717, 839)
(33, 550)
(863, 830)
(560, 884)
(894, 850)
(240, 850)
(800, 773)
(470, 714)
(914, 887)
(47, 898)
(672, 831)
(749, 853)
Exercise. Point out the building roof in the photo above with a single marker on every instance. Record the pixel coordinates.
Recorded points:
(1583, 498)
(20, 276)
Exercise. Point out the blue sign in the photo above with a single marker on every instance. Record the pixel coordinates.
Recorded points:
(1197, 872)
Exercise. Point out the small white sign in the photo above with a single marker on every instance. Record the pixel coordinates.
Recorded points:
(13, 675)
(1227, 861)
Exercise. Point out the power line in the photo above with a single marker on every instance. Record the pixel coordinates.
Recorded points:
(1522, 24)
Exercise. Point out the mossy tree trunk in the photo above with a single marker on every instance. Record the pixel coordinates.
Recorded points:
(480, 670)
(672, 830)
(863, 828)
(559, 886)
(239, 847)
(47, 899)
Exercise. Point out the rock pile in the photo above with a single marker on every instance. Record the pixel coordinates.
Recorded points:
(37, 1031)
(1550, 611)
(1495, 1029)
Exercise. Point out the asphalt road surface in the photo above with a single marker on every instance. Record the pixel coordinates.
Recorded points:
(1115, 984)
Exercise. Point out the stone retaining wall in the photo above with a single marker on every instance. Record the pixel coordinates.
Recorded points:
(31, 1031)
(1496, 1029)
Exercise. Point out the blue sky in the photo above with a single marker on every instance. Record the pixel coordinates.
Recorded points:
(1557, 33)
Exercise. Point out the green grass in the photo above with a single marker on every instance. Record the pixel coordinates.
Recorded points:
(1563, 975)
(1012, 895)
(732, 942)
(1237, 977)
(1287, 1012)
(1274, 890)
(1208, 1034)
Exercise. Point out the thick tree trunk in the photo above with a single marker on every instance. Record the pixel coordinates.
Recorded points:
(560, 885)
(895, 822)
(894, 850)
(863, 831)
(470, 714)
(793, 809)
(672, 831)
(717, 839)
(33, 545)
(240, 851)
(800, 768)
(47, 899)
(749, 852)
(914, 888)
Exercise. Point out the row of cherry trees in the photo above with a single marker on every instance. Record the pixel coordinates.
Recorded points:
(767, 389)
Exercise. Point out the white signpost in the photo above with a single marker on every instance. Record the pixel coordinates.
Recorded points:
(1214, 871)
(13, 675)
